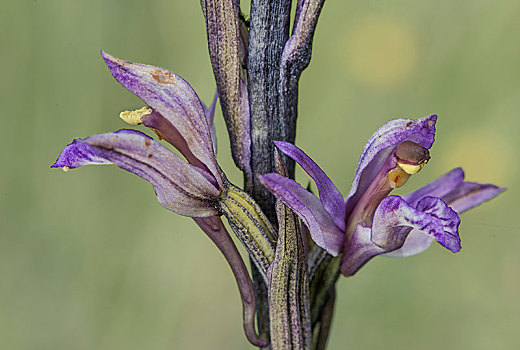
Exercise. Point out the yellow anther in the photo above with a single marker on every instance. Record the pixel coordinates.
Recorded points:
(410, 168)
(65, 168)
(134, 117)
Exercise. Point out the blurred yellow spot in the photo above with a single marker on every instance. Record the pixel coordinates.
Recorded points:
(484, 155)
(410, 168)
(381, 52)
(134, 117)
(66, 168)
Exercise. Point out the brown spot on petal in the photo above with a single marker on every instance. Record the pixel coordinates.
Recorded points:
(158, 133)
(147, 142)
(408, 124)
(150, 155)
(163, 77)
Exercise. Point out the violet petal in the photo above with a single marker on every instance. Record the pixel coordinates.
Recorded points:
(464, 197)
(309, 208)
(437, 188)
(173, 98)
(468, 195)
(358, 250)
(393, 220)
(330, 196)
(431, 216)
(379, 146)
(179, 186)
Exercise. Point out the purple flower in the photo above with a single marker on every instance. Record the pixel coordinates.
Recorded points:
(197, 188)
(369, 222)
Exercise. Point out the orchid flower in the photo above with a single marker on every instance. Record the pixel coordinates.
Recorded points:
(197, 188)
(368, 222)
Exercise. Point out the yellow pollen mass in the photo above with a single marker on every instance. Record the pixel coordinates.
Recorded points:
(65, 168)
(410, 168)
(134, 117)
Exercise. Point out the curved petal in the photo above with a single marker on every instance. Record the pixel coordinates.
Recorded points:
(438, 187)
(469, 194)
(179, 186)
(393, 221)
(416, 242)
(217, 232)
(309, 208)
(381, 144)
(432, 217)
(460, 196)
(358, 250)
(330, 196)
(173, 98)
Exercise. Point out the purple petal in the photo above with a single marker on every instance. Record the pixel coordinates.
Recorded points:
(330, 196)
(309, 208)
(460, 196)
(173, 98)
(443, 223)
(416, 242)
(393, 221)
(179, 186)
(437, 188)
(358, 250)
(216, 231)
(432, 216)
(381, 144)
(468, 195)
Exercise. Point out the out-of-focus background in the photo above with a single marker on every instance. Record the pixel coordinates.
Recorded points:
(89, 260)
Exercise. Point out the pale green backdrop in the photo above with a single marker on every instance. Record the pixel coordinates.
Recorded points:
(89, 260)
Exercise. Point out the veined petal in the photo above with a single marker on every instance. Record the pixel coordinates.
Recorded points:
(420, 131)
(469, 194)
(179, 186)
(438, 187)
(173, 98)
(309, 208)
(432, 216)
(393, 221)
(217, 232)
(464, 196)
(330, 196)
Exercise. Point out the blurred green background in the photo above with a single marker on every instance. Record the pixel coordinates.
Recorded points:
(89, 260)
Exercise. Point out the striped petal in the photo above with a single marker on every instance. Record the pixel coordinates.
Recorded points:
(180, 187)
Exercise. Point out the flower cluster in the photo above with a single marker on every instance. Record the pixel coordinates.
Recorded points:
(368, 222)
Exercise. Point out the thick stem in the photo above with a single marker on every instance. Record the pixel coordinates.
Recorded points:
(269, 31)
(274, 65)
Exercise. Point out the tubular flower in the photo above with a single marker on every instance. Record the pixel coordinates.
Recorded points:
(369, 222)
(197, 188)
